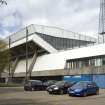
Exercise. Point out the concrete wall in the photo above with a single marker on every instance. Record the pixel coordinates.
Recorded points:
(99, 79)
(57, 61)
(21, 66)
(62, 72)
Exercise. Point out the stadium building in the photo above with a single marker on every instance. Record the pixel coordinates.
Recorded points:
(44, 53)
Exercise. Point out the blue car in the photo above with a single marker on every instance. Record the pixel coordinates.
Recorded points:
(83, 88)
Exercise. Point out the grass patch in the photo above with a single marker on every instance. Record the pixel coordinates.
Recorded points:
(10, 85)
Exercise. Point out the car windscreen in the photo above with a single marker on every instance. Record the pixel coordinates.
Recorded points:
(79, 85)
(48, 82)
(36, 83)
(51, 82)
(60, 83)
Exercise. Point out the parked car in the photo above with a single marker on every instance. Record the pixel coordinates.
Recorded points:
(60, 87)
(83, 88)
(49, 83)
(34, 85)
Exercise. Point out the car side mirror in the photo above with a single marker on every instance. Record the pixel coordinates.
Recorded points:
(66, 85)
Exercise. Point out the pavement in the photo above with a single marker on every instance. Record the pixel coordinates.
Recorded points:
(17, 96)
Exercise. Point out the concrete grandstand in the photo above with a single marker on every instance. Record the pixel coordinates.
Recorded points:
(50, 56)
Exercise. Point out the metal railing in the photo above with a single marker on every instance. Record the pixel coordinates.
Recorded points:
(33, 29)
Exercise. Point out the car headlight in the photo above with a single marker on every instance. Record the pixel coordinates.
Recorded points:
(56, 88)
(78, 90)
(68, 89)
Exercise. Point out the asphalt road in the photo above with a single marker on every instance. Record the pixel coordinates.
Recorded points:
(17, 96)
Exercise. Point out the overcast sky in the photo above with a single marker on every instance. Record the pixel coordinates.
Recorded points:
(75, 15)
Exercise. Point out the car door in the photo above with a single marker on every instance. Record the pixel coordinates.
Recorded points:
(90, 88)
(66, 85)
(39, 85)
(95, 87)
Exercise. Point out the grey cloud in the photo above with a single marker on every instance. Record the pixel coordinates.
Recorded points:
(74, 15)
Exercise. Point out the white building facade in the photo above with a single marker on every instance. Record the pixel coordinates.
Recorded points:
(54, 53)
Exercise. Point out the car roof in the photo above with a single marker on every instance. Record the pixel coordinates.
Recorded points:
(87, 81)
(34, 81)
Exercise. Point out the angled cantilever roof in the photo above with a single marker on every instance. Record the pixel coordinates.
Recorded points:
(59, 32)
(20, 37)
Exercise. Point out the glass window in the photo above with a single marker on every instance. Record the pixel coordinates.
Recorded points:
(92, 62)
(78, 63)
(103, 61)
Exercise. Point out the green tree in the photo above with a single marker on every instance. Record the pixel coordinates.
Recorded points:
(4, 56)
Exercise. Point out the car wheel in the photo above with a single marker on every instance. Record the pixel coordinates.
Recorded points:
(69, 94)
(84, 94)
(26, 89)
(32, 89)
(97, 92)
(50, 92)
(61, 92)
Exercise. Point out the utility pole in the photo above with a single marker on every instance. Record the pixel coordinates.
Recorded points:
(26, 78)
(9, 77)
